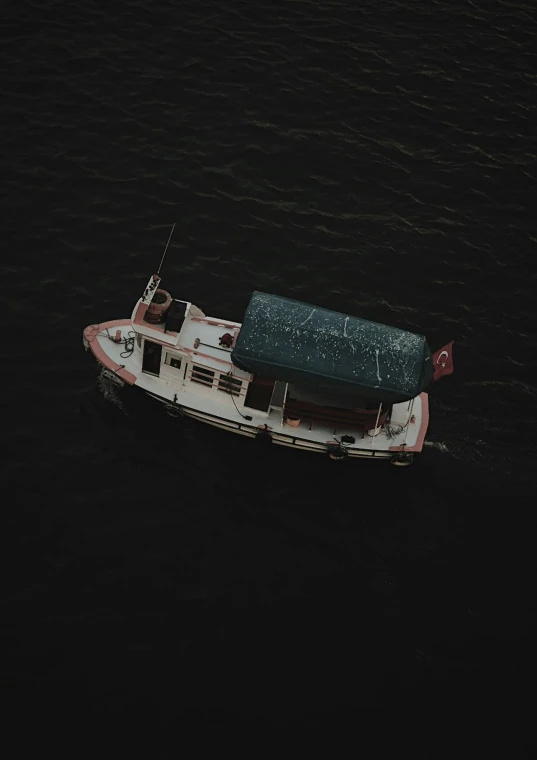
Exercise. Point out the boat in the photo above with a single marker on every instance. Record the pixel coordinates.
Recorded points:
(290, 373)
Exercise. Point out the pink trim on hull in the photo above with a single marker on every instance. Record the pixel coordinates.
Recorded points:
(418, 446)
(91, 334)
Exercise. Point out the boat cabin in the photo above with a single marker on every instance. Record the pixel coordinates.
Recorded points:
(187, 349)
(304, 362)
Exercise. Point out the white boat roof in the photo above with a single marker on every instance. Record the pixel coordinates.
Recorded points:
(199, 335)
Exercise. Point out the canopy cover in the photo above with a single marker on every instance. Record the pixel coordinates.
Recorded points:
(307, 346)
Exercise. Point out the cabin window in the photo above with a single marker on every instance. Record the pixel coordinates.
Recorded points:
(173, 361)
(202, 375)
(228, 384)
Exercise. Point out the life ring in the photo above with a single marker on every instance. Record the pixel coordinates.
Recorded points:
(402, 459)
(337, 452)
(174, 410)
(158, 307)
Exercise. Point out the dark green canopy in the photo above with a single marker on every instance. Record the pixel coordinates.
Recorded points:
(316, 348)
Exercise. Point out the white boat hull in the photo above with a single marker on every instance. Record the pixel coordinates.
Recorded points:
(292, 441)
(411, 417)
(176, 382)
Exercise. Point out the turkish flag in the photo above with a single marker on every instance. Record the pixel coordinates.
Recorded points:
(443, 361)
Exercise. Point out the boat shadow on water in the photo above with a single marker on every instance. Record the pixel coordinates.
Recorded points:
(159, 437)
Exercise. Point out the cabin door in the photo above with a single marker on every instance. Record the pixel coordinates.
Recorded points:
(152, 357)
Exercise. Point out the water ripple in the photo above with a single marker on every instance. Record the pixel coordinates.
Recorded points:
(379, 168)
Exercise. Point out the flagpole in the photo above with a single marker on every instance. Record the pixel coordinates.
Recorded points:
(408, 421)
(376, 425)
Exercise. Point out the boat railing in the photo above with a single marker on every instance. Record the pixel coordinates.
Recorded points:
(218, 381)
(360, 419)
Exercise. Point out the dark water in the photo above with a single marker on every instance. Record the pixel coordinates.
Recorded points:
(374, 158)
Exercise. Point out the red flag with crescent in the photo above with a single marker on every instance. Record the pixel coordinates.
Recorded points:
(443, 361)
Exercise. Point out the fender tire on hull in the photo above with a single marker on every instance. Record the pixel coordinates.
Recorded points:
(337, 452)
(402, 459)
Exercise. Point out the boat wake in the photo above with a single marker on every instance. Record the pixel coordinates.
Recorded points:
(466, 449)
(109, 390)
(437, 445)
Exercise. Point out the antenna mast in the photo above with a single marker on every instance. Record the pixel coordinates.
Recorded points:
(164, 254)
